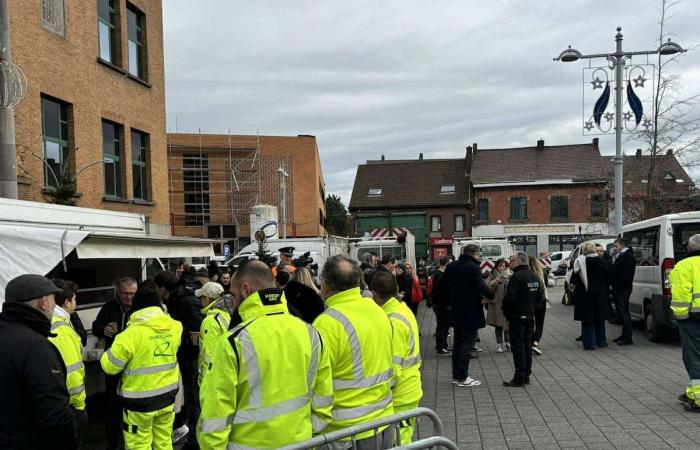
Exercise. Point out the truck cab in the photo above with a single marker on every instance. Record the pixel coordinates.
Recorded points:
(491, 249)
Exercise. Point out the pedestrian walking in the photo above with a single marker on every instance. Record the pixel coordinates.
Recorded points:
(591, 303)
(358, 336)
(524, 293)
(621, 279)
(110, 321)
(186, 308)
(540, 308)
(407, 390)
(68, 343)
(685, 304)
(36, 412)
(146, 353)
(269, 383)
(440, 298)
(217, 308)
(498, 283)
(302, 293)
(466, 289)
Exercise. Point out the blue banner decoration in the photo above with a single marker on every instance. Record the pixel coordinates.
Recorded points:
(601, 104)
(635, 104)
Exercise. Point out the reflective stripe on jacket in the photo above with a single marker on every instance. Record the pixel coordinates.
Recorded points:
(357, 334)
(406, 385)
(146, 354)
(69, 346)
(269, 381)
(214, 325)
(685, 288)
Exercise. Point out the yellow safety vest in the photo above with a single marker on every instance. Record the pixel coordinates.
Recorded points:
(406, 387)
(214, 325)
(685, 288)
(269, 381)
(146, 354)
(358, 336)
(68, 344)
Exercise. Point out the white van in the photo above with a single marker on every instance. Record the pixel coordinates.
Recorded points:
(492, 249)
(658, 244)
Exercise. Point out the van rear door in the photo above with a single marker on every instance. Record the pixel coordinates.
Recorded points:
(681, 233)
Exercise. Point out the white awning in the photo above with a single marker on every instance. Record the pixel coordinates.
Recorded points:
(102, 246)
(33, 250)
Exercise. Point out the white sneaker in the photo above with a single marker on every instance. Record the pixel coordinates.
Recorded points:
(499, 348)
(507, 345)
(476, 349)
(469, 382)
(180, 433)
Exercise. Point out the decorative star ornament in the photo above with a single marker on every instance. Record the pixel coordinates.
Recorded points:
(639, 81)
(627, 116)
(609, 116)
(597, 83)
(647, 123)
(589, 125)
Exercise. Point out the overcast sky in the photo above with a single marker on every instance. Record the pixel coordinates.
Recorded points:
(400, 77)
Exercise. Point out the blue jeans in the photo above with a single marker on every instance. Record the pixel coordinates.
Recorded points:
(593, 335)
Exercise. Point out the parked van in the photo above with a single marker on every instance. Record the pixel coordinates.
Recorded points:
(320, 248)
(658, 244)
(491, 249)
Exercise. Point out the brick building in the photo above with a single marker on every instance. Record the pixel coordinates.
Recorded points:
(95, 100)
(214, 180)
(544, 198)
(431, 197)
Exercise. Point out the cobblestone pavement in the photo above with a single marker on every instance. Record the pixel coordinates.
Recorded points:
(616, 397)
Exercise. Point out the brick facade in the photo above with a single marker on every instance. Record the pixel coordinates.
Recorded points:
(66, 68)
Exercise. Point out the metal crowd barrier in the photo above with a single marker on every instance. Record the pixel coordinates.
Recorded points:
(435, 441)
(391, 421)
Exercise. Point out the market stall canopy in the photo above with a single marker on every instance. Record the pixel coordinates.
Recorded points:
(107, 246)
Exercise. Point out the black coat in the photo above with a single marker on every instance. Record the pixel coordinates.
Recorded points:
(524, 294)
(369, 274)
(35, 412)
(622, 272)
(592, 305)
(440, 295)
(307, 303)
(183, 306)
(405, 283)
(466, 288)
(110, 312)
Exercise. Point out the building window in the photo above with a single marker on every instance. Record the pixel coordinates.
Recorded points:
(559, 207)
(136, 20)
(139, 163)
(483, 204)
(54, 126)
(374, 192)
(435, 224)
(107, 15)
(321, 218)
(321, 191)
(518, 208)
(459, 223)
(527, 244)
(596, 206)
(558, 243)
(447, 189)
(196, 188)
(52, 13)
(111, 151)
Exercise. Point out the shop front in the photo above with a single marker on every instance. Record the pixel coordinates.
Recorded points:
(440, 247)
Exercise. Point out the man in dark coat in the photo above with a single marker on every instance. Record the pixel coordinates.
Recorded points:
(621, 279)
(524, 293)
(35, 411)
(387, 264)
(441, 306)
(466, 289)
(186, 308)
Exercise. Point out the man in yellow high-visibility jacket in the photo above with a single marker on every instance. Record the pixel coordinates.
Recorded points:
(358, 336)
(218, 307)
(269, 381)
(406, 385)
(685, 304)
(69, 346)
(146, 354)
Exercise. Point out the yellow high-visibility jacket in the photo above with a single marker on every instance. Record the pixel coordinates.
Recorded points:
(358, 335)
(146, 354)
(214, 325)
(68, 344)
(685, 288)
(407, 388)
(269, 381)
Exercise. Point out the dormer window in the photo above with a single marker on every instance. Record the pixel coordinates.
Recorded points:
(447, 189)
(670, 178)
(375, 192)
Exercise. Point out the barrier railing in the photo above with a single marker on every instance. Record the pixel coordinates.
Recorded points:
(435, 441)
(374, 425)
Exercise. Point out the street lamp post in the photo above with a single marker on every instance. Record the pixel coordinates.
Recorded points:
(618, 59)
(283, 198)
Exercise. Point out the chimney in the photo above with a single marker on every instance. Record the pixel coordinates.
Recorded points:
(638, 155)
(420, 157)
(669, 152)
(540, 144)
(595, 141)
(474, 147)
(382, 157)
(469, 158)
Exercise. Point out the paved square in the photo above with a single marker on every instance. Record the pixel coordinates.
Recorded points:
(616, 397)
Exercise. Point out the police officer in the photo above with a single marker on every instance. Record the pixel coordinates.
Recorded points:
(286, 255)
(685, 304)
(407, 390)
(269, 381)
(218, 308)
(146, 353)
(358, 336)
